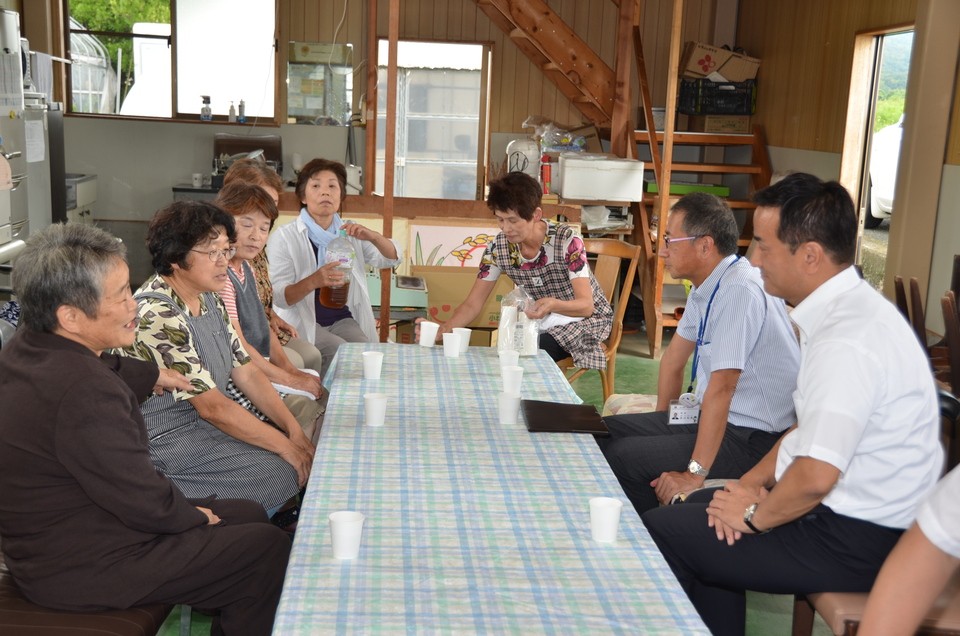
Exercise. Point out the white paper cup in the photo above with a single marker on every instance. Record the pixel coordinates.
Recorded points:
(372, 363)
(346, 528)
(451, 345)
(605, 518)
(509, 358)
(464, 337)
(428, 333)
(509, 407)
(512, 378)
(374, 408)
(197, 179)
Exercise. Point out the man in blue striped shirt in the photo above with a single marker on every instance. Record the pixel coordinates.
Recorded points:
(746, 359)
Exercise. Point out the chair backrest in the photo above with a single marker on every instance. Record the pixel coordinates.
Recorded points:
(951, 324)
(610, 253)
(916, 312)
(901, 295)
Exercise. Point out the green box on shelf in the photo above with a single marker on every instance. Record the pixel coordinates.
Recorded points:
(687, 188)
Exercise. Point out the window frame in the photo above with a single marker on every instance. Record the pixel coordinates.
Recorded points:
(177, 116)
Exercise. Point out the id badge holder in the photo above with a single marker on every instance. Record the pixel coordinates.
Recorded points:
(686, 410)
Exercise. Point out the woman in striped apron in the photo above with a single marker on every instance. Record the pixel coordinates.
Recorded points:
(204, 442)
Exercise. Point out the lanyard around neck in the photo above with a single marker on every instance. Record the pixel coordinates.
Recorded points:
(703, 325)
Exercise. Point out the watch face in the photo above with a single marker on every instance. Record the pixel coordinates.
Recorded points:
(695, 468)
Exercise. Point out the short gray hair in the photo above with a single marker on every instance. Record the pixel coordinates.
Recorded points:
(708, 215)
(63, 265)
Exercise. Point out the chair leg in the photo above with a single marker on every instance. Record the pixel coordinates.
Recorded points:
(608, 375)
(803, 615)
(185, 616)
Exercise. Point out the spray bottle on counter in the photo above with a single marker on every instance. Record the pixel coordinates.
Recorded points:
(242, 117)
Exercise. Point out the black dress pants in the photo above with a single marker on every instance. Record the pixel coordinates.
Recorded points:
(239, 572)
(819, 552)
(642, 446)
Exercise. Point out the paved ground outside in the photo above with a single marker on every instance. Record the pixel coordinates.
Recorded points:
(873, 255)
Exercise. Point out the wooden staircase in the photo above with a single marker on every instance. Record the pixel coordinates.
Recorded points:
(660, 313)
(565, 59)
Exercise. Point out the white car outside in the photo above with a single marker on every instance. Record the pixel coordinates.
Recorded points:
(884, 157)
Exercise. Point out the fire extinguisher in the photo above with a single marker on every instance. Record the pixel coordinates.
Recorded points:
(545, 173)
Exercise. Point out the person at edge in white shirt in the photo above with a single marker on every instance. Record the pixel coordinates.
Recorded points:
(919, 567)
(823, 509)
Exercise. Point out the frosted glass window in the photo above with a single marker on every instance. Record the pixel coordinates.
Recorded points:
(225, 49)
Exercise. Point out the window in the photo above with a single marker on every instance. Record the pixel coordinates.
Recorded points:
(157, 58)
(441, 119)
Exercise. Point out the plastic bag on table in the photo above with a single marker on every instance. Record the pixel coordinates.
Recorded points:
(518, 331)
(554, 138)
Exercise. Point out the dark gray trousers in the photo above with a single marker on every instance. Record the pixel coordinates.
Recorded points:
(642, 446)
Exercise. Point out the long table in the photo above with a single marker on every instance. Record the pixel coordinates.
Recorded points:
(470, 526)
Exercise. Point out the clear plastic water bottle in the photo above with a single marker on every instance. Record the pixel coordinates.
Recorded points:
(339, 250)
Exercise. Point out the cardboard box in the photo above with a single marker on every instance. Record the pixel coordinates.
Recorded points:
(447, 287)
(600, 178)
(483, 337)
(700, 60)
(719, 123)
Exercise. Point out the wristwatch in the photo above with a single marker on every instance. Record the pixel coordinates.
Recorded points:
(748, 519)
(696, 468)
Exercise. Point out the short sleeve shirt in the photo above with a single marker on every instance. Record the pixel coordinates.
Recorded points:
(748, 330)
(575, 255)
(866, 403)
(164, 338)
(939, 515)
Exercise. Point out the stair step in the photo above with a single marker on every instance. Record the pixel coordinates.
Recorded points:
(724, 168)
(700, 139)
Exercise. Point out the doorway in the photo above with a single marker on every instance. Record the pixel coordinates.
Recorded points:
(872, 139)
(442, 114)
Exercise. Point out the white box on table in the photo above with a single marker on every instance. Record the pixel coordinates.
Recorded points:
(600, 178)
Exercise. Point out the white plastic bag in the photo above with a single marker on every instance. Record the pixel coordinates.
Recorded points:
(518, 331)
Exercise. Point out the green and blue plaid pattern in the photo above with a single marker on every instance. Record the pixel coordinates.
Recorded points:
(470, 526)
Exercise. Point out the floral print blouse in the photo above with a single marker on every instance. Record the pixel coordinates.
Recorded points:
(164, 338)
(576, 257)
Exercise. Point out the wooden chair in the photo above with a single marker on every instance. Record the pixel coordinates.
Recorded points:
(951, 325)
(842, 611)
(610, 253)
(901, 295)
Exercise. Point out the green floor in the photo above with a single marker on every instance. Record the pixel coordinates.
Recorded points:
(767, 614)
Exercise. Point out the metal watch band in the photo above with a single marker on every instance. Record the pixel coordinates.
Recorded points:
(697, 468)
(748, 519)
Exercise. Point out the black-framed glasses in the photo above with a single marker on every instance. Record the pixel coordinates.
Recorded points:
(667, 242)
(216, 255)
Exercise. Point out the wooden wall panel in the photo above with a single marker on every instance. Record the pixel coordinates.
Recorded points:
(806, 48)
(518, 89)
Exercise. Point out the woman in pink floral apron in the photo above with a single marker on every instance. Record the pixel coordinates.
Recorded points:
(549, 260)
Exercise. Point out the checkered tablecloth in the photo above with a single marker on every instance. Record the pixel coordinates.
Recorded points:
(470, 526)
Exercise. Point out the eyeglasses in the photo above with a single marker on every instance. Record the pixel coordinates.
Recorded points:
(667, 242)
(216, 255)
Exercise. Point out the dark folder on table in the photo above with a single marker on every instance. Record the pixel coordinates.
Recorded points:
(554, 417)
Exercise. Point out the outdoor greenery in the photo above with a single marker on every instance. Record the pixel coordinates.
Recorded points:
(894, 68)
(119, 16)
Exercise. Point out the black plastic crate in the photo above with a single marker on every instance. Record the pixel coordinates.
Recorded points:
(703, 97)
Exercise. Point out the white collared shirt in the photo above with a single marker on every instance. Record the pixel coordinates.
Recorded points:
(866, 403)
(748, 330)
(939, 514)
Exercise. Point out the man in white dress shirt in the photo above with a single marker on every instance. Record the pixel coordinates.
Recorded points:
(745, 367)
(925, 558)
(823, 509)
